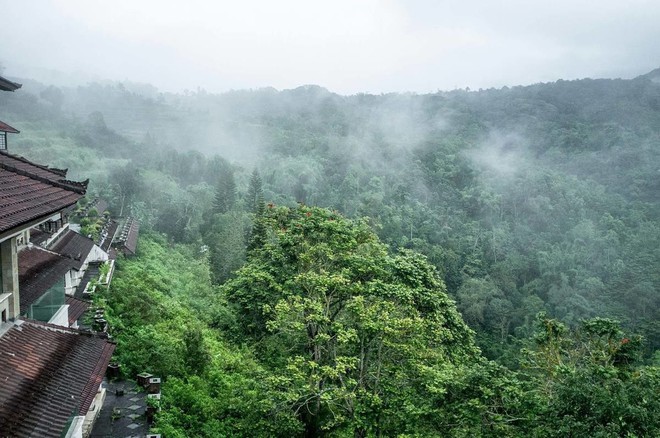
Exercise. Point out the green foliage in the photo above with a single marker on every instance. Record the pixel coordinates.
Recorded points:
(347, 329)
(233, 400)
(254, 199)
(161, 307)
(196, 353)
(525, 199)
(151, 298)
(225, 192)
(225, 239)
(589, 382)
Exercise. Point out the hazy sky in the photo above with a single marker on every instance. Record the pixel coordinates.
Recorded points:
(347, 46)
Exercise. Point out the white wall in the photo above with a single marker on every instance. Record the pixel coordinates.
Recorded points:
(61, 317)
(76, 428)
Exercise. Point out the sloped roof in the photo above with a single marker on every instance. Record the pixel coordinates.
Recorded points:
(77, 308)
(38, 271)
(132, 238)
(25, 166)
(6, 128)
(29, 191)
(100, 206)
(7, 85)
(48, 373)
(107, 234)
(74, 246)
(127, 237)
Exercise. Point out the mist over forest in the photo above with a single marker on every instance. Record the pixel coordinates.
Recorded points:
(534, 209)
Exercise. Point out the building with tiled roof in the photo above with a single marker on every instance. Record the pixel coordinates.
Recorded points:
(100, 205)
(92, 273)
(31, 195)
(126, 237)
(51, 379)
(80, 249)
(107, 234)
(6, 128)
(50, 374)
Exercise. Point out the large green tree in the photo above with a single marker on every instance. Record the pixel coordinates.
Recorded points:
(358, 340)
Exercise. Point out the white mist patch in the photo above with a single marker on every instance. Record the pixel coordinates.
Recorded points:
(502, 154)
(403, 121)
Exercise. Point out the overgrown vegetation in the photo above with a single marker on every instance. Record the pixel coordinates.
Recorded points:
(323, 333)
(539, 199)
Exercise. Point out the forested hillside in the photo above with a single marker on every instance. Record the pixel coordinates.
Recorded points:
(537, 206)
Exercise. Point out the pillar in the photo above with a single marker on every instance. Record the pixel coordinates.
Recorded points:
(9, 261)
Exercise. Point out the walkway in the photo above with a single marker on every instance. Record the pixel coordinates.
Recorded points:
(128, 420)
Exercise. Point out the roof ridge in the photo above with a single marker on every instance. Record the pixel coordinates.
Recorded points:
(78, 187)
(59, 172)
(63, 329)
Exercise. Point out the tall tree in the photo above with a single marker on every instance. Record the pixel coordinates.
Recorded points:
(225, 193)
(255, 194)
(226, 243)
(126, 185)
(348, 328)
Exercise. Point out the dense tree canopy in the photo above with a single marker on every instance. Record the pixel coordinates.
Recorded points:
(350, 331)
(524, 200)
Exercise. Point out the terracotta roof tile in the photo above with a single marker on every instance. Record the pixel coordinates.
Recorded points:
(77, 308)
(48, 374)
(112, 254)
(29, 191)
(25, 165)
(74, 246)
(132, 238)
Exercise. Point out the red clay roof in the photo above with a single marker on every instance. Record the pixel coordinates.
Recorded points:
(74, 246)
(29, 191)
(77, 308)
(48, 374)
(6, 128)
(38, 271)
